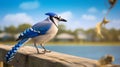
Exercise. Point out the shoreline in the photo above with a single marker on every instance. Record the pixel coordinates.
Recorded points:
(72, 43)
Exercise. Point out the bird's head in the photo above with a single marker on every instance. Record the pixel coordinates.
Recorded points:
(55, 18)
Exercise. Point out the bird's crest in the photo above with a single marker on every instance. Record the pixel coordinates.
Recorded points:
(51, 14)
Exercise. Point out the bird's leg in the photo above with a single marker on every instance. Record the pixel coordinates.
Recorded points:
(36, 48)
(45, 49)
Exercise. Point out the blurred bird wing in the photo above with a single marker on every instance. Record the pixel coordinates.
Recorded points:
(42, 27)
(28, 33)
(35, 30)
(105, 21)
(98, 29)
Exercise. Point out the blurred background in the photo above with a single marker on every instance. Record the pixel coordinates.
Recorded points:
(82, 16)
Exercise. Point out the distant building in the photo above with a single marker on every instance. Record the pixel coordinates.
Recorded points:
(65, 37)
(82, 36)
(2, 35)
(5, 36)
(16, 35)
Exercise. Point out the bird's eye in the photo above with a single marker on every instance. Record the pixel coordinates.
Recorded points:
(57, 18)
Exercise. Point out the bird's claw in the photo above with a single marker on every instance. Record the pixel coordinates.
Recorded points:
(38, 53)
(46, 51)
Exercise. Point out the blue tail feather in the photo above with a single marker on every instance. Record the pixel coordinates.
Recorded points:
(13, 51)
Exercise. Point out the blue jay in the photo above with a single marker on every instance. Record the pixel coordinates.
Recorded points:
(40, 33)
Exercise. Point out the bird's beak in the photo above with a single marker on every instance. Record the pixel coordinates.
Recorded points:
(64, 20)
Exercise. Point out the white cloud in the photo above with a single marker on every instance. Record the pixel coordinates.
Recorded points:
(92, 10)
(88, 17)
(16, 19)
(115, 23)
(67, 15)
(29, 5)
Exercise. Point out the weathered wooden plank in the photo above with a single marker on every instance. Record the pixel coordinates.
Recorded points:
(7, 65)
(1, 64)
(27, 57)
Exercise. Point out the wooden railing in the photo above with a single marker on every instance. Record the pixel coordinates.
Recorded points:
(27, 57)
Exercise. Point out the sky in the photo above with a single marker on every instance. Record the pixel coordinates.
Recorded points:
(79, 13)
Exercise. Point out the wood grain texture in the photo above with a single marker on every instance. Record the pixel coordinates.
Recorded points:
(28, 57)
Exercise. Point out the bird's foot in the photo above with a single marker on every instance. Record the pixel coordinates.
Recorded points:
(38, 53)
(46, 51)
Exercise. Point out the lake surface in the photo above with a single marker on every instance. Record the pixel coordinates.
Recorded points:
(93, 52)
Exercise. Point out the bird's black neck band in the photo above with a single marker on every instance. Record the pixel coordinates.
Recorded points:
(51, 18)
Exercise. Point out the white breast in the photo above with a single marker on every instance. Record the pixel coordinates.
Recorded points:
(48, 36)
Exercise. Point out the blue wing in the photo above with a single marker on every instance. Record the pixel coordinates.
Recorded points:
(42, 27)
(35, 30)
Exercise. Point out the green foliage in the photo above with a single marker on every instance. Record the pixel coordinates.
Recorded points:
(11, 29)
(112, 34)
(91, 34)
(76, 33)
(62, 28)
(1, 30)
(22, 27)
(109, 34)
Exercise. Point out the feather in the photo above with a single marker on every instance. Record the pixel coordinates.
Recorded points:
(13, 51)
(35, 30)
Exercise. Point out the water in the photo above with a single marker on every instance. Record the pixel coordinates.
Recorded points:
(93, 52)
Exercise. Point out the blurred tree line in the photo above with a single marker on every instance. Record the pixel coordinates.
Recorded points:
(10, 32)
(109, 34)
(14, 30)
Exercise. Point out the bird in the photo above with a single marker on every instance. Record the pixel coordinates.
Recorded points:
(40, 33)
(99, 25)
